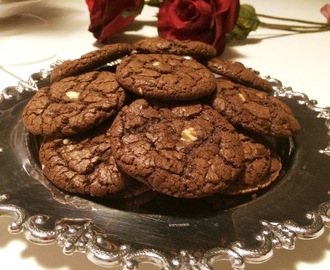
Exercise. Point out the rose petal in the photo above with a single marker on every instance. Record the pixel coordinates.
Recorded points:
(106, 17)
(325, 10)
(200, 20)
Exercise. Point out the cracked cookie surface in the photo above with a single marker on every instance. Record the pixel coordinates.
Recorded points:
(257, 169)
(89, 61)
(254, 110)
(195, 49)
(83, 163)
(165, 77)
(182, 150)
(74, 104)
(237, 72)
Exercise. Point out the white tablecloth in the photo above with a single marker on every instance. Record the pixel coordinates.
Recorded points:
(58, 30)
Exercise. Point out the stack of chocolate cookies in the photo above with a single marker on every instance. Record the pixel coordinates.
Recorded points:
(169, 117)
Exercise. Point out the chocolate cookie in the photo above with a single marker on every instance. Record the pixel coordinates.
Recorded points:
(254, 110)
(240, 186)
(82, 164)
(182, 150)
(256, 168)
(74, 104)
(165, 76)
(274, 171)
(90, 61)
(237, 72)
(195, 49)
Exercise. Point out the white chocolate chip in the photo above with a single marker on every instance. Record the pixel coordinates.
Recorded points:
(140, 90)
(157, 63)
(189, 135)
(261, 94)
(72, 94)
(242, 97)
(66, 141)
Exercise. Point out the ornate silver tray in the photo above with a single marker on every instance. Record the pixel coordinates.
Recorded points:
(173, 234)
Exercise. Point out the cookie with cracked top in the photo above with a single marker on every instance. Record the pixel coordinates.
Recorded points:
(182, 150)
(257, 166)
(196, 49)
(165, 77)
(83, 163)
(90, 61)
(242, 187)
(254, 110)
(74, 104)
(237, 72)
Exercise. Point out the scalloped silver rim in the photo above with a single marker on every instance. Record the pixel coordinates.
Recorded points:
(80, 235)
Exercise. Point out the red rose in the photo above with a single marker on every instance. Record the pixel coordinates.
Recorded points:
(200, 20)
(110, 16)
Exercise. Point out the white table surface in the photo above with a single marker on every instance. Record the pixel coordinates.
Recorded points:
(28, 44)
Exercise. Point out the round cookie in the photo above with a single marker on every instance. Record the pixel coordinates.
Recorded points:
(182, 150)
(194, 49)
(254, 110)
(237, 72)
(90, 61)
(82, 164)
(74, 104)
(242, 187)
(257, 163)
(274, 171)
(165, 77)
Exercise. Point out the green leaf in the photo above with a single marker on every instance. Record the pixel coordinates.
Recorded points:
(248, 17)
(128, 13)
(247, 21)
(153, 3)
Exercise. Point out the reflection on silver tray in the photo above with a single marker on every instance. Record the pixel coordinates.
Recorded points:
(247, 232)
